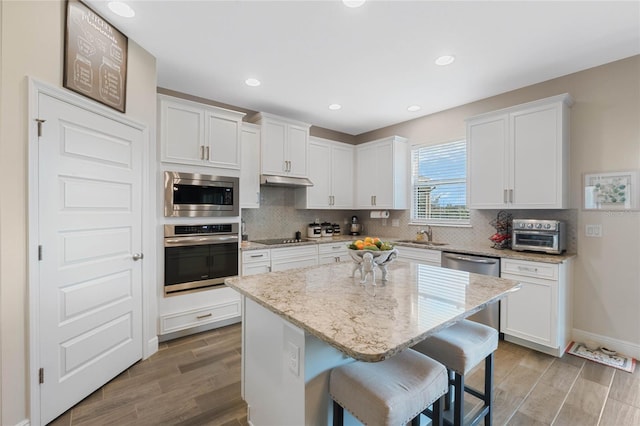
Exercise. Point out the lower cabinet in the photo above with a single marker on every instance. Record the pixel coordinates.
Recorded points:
(539, 314)
(256, 262)
(293, 257)
(198, 311)
(428, 256)
(333, 252)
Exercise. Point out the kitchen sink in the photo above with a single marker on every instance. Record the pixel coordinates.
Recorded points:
(422, 242)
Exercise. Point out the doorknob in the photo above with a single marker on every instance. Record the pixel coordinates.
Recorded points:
(137, 256)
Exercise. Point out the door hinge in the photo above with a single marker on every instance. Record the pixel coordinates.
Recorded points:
(39, 252)
(41, 376)
(40, 121)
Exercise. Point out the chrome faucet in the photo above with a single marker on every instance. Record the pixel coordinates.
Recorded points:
(428, 233)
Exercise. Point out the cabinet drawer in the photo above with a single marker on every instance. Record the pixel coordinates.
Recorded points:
(197, 317)
(297, 251)
(525, 268)
(256, 256)
(333, 248)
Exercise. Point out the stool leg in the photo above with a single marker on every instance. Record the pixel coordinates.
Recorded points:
(488, 388)
(338, 414)
(436, 419)
(447, 396)
(458, 404)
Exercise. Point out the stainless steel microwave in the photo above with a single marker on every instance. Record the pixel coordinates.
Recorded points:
(198, 195)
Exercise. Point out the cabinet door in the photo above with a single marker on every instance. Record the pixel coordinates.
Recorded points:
(320, 174)
(255, 268)
(384, 180)
(537, 157)
(487, 155)
(531, 313)
(273, 147)
(296, 154)
(222, 147)
(342, 176)
(250, 167)
(365, 176)
(182, 129)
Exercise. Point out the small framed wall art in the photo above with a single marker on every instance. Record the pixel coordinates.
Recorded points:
(95, 57)
(611, 191)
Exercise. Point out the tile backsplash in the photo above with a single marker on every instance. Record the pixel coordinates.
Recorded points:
(277, 217)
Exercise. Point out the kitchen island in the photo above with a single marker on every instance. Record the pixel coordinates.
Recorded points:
(298, 324)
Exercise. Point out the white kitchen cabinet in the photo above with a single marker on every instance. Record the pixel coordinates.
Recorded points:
(539, 314)
(382, 174)
(256, 262)
(428, 256)
(294, 257)
(333, 252)
(250, 166)
(518, 157)
(199, 134)
(284, 145)
(331, 171)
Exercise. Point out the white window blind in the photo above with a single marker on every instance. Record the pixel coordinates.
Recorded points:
(439, 183)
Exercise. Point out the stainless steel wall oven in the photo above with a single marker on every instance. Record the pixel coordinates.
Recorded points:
(198, 195)
(199, 256)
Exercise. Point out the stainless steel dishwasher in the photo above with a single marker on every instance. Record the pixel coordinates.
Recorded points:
(477, 265)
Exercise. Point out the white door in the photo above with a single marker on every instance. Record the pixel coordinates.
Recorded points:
(90, 302)
(342, 174)
(320, 174)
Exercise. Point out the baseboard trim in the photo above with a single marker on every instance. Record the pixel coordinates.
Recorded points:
(622, 346)
(152, 347)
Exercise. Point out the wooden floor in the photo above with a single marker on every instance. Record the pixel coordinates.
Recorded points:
(195, 380)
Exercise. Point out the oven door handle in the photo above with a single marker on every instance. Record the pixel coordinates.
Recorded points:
(200, 240)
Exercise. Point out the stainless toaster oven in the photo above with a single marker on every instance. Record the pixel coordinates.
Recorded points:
(547, 236)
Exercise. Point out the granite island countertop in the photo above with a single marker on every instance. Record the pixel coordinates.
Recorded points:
(366, 322)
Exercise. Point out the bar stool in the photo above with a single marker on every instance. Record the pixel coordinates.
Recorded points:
(460, 348)
(389, 392)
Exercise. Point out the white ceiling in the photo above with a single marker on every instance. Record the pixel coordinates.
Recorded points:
(375, 60)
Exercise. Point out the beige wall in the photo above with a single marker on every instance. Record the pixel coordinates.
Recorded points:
(32, 42)
(605, 137)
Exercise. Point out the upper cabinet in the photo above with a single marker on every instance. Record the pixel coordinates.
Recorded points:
(284, 145)
(518, 158)
(250, 170)
(199, 134)
(382, 174)
(331, 171)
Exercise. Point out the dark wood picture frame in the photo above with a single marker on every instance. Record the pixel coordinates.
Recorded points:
(95, 57)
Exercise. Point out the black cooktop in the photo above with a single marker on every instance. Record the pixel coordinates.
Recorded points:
(273, 241)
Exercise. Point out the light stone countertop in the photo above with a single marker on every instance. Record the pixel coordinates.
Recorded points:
(366, 322)
(478, 249)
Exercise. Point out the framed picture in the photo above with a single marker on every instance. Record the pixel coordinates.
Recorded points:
(611, 191)
(95, 57)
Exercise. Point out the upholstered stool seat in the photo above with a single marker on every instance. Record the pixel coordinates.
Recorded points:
(390, 392)
(460, 348)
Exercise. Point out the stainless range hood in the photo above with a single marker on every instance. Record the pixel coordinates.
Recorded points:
(286, 181)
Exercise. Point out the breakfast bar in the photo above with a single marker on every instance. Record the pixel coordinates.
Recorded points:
(299, 324)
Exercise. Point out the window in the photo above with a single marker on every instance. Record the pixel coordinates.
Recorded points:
(439, 183)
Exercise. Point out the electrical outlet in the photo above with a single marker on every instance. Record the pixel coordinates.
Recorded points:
(384, 222)
(395, 222)
(293, 358)
(593, 231)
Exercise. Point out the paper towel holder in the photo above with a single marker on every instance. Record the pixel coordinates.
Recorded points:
(379, 214)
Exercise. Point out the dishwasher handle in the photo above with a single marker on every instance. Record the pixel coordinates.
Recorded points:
(470, 259)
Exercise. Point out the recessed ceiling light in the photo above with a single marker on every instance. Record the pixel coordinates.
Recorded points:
(445, 60)
(335, 107)
(253, 82)
(353, 3)
(414, 108)
(122, 9)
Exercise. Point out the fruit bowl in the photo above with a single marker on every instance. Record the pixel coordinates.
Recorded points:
(370, 253)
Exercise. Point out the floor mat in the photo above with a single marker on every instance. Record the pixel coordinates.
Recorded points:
(618, 361)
